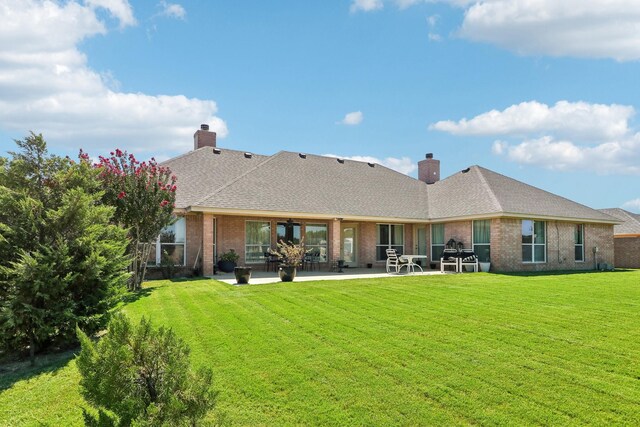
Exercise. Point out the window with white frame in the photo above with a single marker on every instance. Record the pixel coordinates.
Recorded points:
(437, 241)
(257, 241)
(170, 246)
(315, 240)
(534, 241)
(482, 239)
(389, 236)
(579, 242)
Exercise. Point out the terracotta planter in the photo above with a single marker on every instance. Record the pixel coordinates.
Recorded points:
(287, 273)
(243, 274)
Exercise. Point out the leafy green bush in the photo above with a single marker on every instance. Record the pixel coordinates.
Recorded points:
(62, 263)
(142, 376)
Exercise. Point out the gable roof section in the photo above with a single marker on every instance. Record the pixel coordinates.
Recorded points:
(201, 172)
(288, 183)
(630, 224)
(481, 192)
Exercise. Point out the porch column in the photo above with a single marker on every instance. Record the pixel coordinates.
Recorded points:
(207, 245)
(334, 239)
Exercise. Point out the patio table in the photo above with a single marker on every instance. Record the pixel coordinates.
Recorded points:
(412, 265)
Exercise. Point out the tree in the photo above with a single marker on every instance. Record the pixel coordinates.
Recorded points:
(144, 197)
(142, 375)
(62, 262)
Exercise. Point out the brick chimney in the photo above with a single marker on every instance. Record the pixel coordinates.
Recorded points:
(204, 137)
(429, 169)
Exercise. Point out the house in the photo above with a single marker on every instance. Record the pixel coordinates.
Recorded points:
(626, 242)
(354, 211)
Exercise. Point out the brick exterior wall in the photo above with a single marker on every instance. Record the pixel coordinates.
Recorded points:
(460, 231)
(506, 246)
(627, 252)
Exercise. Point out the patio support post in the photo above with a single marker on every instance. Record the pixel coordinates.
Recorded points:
(334, 239)
(207, 245)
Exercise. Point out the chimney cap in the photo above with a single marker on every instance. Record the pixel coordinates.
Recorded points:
(429, 156)
(204, 126)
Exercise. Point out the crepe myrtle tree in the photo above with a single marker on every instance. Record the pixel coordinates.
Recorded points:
(143, 194)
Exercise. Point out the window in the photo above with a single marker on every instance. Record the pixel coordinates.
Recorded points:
(315, 240)
(257, 241)
(534, 242)
(288, 232)
(389, 236)
(482, 239)
(170, 244)
(437, 241)
(579, 240)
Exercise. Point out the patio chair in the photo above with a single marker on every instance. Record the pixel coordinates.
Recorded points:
(468, 258)
(311, 259)
(449, 258)
(394, 261)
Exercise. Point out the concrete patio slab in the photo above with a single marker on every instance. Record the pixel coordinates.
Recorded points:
(262, 277)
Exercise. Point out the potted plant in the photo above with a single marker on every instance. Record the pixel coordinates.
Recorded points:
(485, 266)
(243, 274)
(228, 261)
(290, 256)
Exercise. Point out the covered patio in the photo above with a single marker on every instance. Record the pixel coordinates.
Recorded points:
(259, 277)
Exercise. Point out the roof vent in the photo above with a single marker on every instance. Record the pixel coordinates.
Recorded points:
(340, 161)
(302, 155)
(466, 170)
(371, 164)
(429, 156)
(204, 126)
(217, 151)
(247, 155)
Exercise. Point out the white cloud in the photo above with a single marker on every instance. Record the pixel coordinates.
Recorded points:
(620, 157)
(572, 119)
(119, 9)
(567, 136)
(577, 28)
(403, 165)
(46, 85)
(173, 10)
(352, 119)
(365, 5)
(632, 205)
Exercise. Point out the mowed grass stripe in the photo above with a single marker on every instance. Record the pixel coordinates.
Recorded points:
(464, 349)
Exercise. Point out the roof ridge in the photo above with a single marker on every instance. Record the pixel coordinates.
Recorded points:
(493, 196)
(237, 178)
(356, 161)
(179, 156)
(628, 215)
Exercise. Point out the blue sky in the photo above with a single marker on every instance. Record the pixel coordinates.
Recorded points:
(540, 90)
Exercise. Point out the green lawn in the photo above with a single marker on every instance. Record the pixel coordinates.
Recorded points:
(455, 349)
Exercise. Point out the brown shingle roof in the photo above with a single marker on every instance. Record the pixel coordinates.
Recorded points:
(202, 172)
(630, 224)
(479, 191)
(288, 183)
